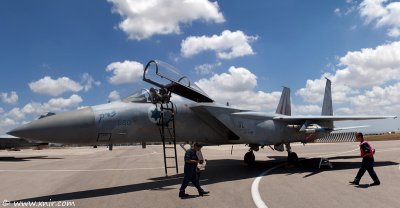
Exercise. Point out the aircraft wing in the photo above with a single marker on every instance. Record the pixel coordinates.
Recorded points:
(329, 118)
(262, 115)
(209, 114)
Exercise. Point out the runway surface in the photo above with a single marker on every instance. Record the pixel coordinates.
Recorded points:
(134, 177)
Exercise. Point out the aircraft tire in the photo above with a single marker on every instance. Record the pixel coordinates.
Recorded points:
(249, 158)
(292, 158)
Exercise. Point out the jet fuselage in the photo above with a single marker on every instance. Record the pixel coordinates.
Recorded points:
(126, 122)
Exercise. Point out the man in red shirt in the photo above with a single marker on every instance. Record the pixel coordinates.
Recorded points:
(367, 154)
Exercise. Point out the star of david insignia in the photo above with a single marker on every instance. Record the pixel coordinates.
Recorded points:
(155, 114)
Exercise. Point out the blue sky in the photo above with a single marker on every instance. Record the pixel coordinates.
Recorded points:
(63, 55)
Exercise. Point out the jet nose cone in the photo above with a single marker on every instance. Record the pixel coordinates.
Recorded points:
(16, 132)
(69, 127)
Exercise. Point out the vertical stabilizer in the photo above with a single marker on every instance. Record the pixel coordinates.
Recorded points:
(327, 109)
(284, 107)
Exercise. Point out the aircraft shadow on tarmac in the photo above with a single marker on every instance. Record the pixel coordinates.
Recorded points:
(311, 165)
(22, 159)
(217, 171)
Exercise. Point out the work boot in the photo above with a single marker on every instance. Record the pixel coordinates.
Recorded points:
(355, 182)
(182, 194)
(375, 183)
(202, 192)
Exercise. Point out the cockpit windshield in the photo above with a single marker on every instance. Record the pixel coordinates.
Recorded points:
(142, 96)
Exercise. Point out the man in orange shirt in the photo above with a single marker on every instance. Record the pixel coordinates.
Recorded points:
(367, 154)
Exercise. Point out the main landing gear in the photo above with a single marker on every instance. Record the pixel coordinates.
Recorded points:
(249, 157)
(292, 156)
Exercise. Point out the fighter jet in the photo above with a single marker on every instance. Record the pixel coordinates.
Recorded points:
(151, 116)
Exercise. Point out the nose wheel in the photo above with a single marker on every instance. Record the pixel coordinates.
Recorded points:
(249, 158)
(292, 158)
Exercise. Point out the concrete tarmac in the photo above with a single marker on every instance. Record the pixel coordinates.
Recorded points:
(134, 177)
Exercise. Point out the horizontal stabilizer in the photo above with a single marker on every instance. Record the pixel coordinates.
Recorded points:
(337, 137)
(349, 127)
(329, 118)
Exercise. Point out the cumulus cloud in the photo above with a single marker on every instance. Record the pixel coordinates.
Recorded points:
(114, 95)
(237, 79)
(359, 70)
(206, 68)
(315, 89)
(306, 109)
(88, 82)
(10, 98)
(33, 110)
(228, 45)
(53, 105)
(337, 12)
(376, 101)
(382, 13)
(145, 18)
(237, 87)
(367, 81)
(74, 100)
(370, 66)
(349, 8)
(125, 72)
(379, 100)
(6, 124)
(16, 114)
(54, 87)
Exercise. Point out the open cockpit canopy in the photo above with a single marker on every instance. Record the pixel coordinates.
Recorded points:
(167, 77)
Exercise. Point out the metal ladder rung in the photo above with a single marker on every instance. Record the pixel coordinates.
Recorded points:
(170, 157)
(171, 167)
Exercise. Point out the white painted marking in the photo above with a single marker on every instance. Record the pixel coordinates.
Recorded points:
(81, 170)
(255, 193)
(254, 188)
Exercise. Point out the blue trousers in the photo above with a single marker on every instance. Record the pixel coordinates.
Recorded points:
(190, 176)
(367, 165)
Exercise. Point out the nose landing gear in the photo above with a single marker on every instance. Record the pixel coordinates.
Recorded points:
(249, 157)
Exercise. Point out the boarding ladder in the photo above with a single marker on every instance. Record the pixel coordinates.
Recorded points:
(169, 80)
(166, 126)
